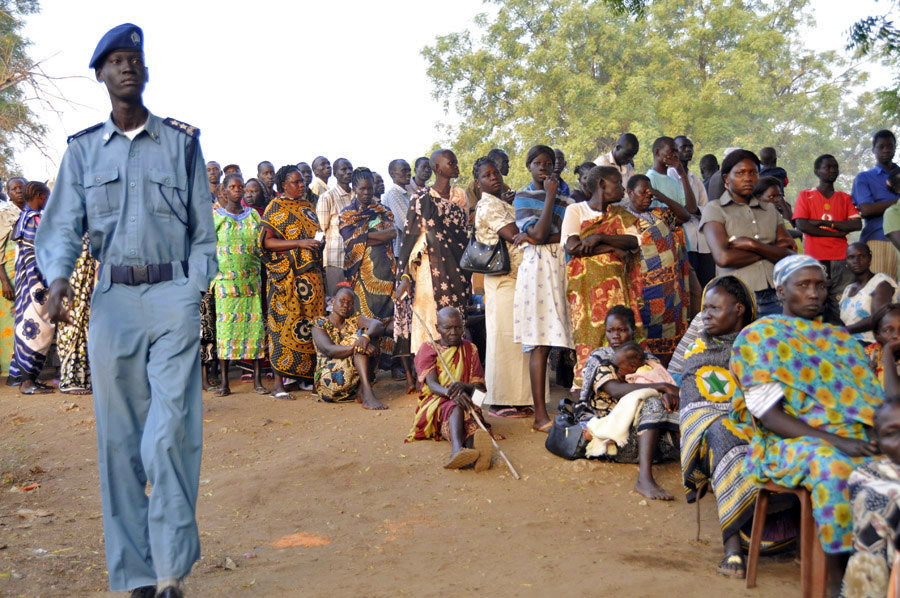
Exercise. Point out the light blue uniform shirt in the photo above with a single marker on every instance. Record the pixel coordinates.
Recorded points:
(136, 201)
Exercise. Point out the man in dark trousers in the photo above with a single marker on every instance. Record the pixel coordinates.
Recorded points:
(136, 184)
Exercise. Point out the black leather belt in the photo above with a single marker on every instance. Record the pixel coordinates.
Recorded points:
(152, 274)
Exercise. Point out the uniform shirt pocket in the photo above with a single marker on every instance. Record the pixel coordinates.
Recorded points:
(99, 191)
(168, 190)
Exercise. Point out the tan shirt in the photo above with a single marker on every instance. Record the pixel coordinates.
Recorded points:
(627, 171)
(755, 220)
(318, 186)
(328, 210)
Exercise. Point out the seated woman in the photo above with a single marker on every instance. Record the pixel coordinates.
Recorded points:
(714, 438)
(345, 356)
(445, 409)
(657, 422)
(808, 385)
(875, 499)
(865, 296)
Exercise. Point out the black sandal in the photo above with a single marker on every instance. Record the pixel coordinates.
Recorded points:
(733, 565)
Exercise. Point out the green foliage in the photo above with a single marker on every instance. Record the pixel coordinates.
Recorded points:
(17, 122)
(879, 38)
(575, 74)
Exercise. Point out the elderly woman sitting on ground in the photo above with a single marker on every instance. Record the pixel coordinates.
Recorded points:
(346, 356)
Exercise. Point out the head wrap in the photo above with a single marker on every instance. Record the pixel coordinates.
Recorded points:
(790, 264)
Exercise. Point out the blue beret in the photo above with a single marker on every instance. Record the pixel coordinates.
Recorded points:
(124, 37)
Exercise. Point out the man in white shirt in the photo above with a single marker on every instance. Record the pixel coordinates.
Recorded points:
(622, 156)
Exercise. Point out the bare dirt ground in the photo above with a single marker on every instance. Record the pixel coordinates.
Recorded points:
(312, 499)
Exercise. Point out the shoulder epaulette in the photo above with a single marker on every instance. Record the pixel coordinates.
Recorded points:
(83, 132)
(185, 128)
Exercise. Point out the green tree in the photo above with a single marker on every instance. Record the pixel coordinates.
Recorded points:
(878, 37)
(18, 73)
(575, 74)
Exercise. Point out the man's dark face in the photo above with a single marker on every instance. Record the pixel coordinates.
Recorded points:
(266, 174)
(884, 150)
(502, 162)
(423, 172)
(828, 171)
(322, 168)
(401, 174)
(685, 150)
(213, 172)
(124, 73)
(446, 165)
(560, 162)
(379, 184)
(305, 172)
(625, 153)
(343, 170)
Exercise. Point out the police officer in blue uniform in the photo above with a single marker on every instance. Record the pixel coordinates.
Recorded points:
(136, 183)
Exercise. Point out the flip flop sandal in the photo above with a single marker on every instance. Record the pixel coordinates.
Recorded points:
(37, 390)
(733, 566)
(285, 396)
(545, 428)
(482, 444)
(509, 412)
(464, 457)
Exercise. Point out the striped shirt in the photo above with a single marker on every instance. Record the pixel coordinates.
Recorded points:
(328, 210)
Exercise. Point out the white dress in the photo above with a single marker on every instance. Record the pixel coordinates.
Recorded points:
(859, 306)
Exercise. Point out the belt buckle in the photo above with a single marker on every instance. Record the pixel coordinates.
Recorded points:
(140, 274)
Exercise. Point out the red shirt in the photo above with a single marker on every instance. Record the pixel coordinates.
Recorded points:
(812, 205)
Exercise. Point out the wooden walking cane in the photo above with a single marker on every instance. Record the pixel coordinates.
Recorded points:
(471, 409)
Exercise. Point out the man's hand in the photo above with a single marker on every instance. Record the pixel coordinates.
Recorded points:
(59, 290)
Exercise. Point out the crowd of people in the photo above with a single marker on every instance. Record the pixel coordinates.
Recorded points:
(748, 338)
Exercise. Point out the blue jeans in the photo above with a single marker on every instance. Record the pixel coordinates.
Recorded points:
(767, 303)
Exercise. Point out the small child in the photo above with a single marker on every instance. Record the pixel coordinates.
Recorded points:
(887, 332)
(631, 367)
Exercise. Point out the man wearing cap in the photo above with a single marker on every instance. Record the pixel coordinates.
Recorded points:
(136, 184)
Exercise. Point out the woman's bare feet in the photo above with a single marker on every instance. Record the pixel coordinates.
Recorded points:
(368, 400)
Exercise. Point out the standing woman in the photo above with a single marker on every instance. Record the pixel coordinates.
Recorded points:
(541, 319)
(605, 267)
(72, 339)
(367, 228)
(507, 366)
(9, 215)
(240, 332)
(433, 243)
(34, 330)
(296, 286)
(664, 266)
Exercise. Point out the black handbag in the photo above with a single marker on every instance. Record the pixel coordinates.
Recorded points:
(565, 438)
(486, 259)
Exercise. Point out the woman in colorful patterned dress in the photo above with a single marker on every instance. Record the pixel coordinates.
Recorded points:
(367, 228)
(433, 243)
(664, 266)
(604, 269)
(9, 215)
(715, 429)
(240, 332)
(72, 339)
(34, 330)
(808, 385)
(347, 356)
(296, 289)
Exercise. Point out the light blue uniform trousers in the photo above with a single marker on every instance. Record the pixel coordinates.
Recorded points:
(144, 349)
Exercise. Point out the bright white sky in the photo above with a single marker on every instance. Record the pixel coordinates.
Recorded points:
(283, 81)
